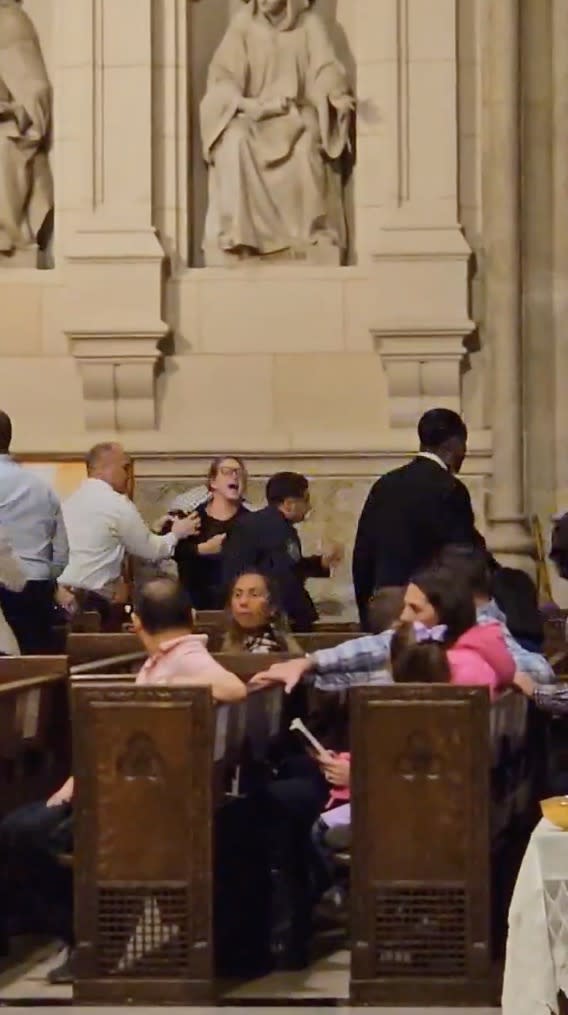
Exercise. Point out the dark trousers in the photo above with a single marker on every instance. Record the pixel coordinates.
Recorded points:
(291, 803)
(30, 614)
(36, 892)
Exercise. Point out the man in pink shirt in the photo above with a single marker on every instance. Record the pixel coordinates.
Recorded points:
(162, 621)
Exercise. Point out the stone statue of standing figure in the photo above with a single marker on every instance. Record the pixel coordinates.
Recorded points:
(275, 122)
(26, 182)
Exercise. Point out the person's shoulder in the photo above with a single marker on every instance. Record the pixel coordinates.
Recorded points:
(38, 485)
(253, 519)
(394, 477)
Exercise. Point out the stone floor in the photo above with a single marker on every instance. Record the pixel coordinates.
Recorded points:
(321, 988)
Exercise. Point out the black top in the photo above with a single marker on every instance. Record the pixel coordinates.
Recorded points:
(267, 541)
(410, 515)
(202, 577)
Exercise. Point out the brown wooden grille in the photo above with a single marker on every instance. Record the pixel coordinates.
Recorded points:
(142, 930)
(420, 931)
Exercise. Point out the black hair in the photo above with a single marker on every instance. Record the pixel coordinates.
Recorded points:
(286, 484)
(472, 564)
(449, 594)
(162, 604)
(5, 432)
(438, 426)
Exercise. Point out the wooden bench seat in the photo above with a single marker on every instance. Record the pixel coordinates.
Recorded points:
(88, 648)
(14, 668)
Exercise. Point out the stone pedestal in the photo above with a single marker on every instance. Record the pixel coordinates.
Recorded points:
(423, 370)
(113, 260)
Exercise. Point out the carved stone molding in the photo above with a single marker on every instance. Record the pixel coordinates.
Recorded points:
(118, 376)
(423, 368)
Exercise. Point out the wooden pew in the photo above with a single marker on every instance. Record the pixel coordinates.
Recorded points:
(86, 648)
(313, 641)
(428, 820)
(217, 618)
(143, 766)
(14, 668)
(155, 765)
(34, 738)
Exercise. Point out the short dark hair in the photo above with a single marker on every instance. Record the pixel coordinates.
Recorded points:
(451, 597)
(162, 604)
(438, 426)
(97, 452)
(472, 564)
(5, 432)
(286, 484)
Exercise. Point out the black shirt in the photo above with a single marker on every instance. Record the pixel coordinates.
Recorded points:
(202, 576)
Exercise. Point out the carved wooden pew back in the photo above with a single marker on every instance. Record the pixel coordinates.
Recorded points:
(430, 810)
(144, 765)
(152, 765)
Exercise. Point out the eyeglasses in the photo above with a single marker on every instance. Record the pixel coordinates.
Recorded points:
(227, 470)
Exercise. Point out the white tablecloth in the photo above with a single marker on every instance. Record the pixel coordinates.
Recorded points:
(536, 967)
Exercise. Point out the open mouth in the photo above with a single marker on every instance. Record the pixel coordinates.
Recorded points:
(234, 487)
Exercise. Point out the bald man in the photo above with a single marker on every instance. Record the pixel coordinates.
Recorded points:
(103, 524)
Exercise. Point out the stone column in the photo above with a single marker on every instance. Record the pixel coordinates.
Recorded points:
(538, 229)
(560, 243)
(502, 235)
(112, 255)
(420, 250)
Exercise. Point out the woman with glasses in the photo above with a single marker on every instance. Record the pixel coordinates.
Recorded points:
(199, 557)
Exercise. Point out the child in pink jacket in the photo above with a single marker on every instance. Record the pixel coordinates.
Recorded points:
(478, 658)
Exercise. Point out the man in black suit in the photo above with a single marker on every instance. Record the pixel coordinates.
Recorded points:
(412, 513)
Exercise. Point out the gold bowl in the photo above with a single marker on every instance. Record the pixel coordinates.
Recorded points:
(555, 810)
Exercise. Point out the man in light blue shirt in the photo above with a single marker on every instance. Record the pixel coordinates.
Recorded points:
(31, 514)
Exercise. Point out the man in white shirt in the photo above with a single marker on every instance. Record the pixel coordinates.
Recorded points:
(31, 514)
(103, 524)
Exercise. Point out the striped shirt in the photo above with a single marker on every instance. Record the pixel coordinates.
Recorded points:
(366, 660)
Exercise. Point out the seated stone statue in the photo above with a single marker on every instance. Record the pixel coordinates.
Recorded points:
(26, 183)
(275, 121)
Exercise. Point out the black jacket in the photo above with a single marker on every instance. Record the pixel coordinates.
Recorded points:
(410, 515)
(267, 541)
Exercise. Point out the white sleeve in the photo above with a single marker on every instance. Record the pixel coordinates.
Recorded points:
(12, 574)
(137, 538)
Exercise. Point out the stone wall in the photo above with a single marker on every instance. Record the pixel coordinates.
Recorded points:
(129, 337)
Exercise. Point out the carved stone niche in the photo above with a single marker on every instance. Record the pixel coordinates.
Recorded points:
(423, 368)
(118, 375)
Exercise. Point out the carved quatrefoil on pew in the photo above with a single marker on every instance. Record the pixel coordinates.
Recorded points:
(140, 760)
(418, 760)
